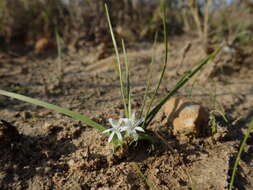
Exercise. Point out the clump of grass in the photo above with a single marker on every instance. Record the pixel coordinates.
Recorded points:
(128, 127)
(238, 157)
(216, 110)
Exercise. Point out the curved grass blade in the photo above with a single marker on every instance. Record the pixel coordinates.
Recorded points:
(118, 60)
(250, 128)
(165, 36)
(179, 85)
(148, 78)
(127, 79)
(59, 109)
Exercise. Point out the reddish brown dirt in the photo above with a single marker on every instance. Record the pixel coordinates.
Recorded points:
(56, 152)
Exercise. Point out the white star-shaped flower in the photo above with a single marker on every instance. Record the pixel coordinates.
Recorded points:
(116, 129)
(131, 126)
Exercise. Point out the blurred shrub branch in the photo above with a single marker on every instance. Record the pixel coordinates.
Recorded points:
(135, 20)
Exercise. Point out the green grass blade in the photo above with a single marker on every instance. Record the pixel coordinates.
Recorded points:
(55, 108)
(118, 60)
(127, 79)
(148, 79)
(59, 42)
(179, 85)
(250, 128)
(165, 33)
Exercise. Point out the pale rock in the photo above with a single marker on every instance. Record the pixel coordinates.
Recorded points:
(186, 116)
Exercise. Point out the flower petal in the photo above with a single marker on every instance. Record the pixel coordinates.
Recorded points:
(111, 136)
(135, 136)
(120, 121)
(139, 129)
(139, 121)
(132, 117)
(107, 130)
(119, 136)
(113, 123)
(125, 120)
(124, 128)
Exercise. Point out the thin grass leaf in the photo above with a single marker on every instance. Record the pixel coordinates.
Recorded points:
(238, 157)
(127, 79)
(148, 79)
(165, 33)
(149, 76)
(118, 59)
(59, 42)
(220, 110)
(59, 109)
(179, 85)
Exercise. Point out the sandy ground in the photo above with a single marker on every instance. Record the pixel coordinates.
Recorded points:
(56, 152)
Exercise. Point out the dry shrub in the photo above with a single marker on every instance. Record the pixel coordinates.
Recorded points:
(30, 20)
(234, 23)
(83, 22)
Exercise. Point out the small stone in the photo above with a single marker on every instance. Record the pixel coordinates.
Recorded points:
(37, 169)
(186, 116)
(43, 45)
(71, 163)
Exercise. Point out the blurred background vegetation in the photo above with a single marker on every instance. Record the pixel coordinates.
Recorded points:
(83, 22)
